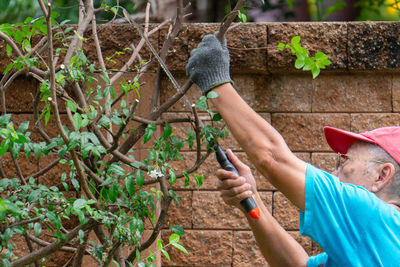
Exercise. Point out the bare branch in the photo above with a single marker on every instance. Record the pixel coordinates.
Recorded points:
(24, 222)
(46, 169)
(166, 201)
(38, 125)
(229, 19)
(29, 244)
(18, 169)
(197, 130)
(164, 52)
(80, 252)
(135, 53)
(76, 42)
(122, 128)
(2, 174)
(11, 43)
(92, 174)
(107, 109)
(51, 248)
(53, 102)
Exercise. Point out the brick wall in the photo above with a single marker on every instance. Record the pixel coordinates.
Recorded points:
(359, 91)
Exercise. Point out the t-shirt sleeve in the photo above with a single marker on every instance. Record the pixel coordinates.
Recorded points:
(331, 209)
(317, 260)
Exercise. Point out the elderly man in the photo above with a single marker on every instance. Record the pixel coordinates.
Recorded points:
(353, 214)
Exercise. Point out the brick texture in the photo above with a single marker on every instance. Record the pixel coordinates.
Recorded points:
(342, 93)
(206, 248)
(285, 212)
(304, 132)
(373, 46)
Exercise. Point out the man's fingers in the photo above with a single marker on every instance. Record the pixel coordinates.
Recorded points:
(236, 198)
(236, 191)
(229, 183)
(240, 166)
(222, 174)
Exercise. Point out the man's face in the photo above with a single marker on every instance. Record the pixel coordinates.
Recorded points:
(354, 169)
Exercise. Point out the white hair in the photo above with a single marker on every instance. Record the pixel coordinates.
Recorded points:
(379, 155)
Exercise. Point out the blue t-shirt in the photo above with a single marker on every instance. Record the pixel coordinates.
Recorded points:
(351, 224)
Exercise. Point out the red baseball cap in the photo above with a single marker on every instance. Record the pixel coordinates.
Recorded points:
(387, 138)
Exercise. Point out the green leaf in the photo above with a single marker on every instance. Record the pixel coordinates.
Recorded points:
(178, 230)
(129, 185)
(75, 183)
(201, 103)
(23, 127)
(106, 79)
(242, 17)
(8, 68)
(139, 178)
(174, 238)
(117, 169)
(180, 247)
(212, 94)
(81, 235)
(217, 117)
(295, 40)
(281, 46)
(172, 177)
(71, 105)
(187, 180)
(77, 119)
(26, 45)
(165, 254)
(308, 64)
(199, 179)
(315, 71)
(79, 203)
(148, 134)
(299, 63)
(4, 120)
(9, 50)
(4, 147)
(54, 219)
(113, 192)
(21, 139)
(15, 150)
(167, 130)
(37, 228)
(159, 244)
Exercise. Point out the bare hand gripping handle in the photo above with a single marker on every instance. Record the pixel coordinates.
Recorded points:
(248, 203)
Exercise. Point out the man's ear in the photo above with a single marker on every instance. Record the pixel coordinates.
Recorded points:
(385, 176)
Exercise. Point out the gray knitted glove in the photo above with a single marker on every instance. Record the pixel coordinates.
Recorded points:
(208, 64)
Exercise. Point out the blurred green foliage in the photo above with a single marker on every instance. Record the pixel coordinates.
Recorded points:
(18, 10)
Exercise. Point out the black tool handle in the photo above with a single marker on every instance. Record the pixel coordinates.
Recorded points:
(248, 203)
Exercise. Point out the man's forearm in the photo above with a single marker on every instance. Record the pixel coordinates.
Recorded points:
(263, 144)
(277, 246)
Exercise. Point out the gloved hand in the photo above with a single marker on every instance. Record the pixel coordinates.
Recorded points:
(208, 64)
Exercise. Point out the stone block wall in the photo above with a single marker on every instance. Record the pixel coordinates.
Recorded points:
(359, 91)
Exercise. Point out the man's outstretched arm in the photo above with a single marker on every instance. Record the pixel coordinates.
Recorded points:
(263, 144)
(208, 67)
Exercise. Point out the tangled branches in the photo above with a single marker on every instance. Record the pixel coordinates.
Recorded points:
(101, 187)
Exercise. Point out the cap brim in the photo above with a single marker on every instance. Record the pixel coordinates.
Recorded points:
(340, 140)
